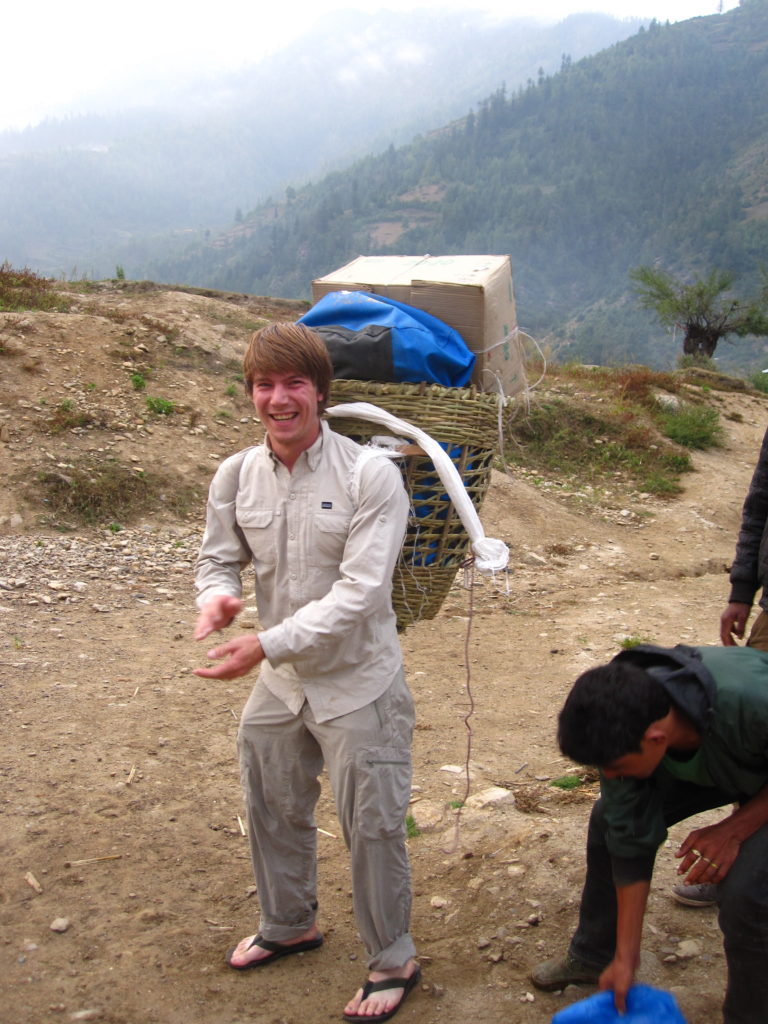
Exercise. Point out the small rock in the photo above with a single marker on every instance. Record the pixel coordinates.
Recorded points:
(688, 948)
(532, 558)
(491, 797)
(60, 924)
(438, 902)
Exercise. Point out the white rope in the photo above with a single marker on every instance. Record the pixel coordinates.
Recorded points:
(490, 555)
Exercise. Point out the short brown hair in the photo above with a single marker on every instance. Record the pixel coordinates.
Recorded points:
(289, 347)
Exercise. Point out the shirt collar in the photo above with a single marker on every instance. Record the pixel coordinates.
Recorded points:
(313, 454)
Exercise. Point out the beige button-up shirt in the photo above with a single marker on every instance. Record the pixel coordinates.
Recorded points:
(323, 540)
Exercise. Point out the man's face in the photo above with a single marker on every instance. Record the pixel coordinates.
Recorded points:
(639, 765)
(286, 403)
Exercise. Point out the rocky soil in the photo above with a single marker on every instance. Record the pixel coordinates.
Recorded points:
(125, 870)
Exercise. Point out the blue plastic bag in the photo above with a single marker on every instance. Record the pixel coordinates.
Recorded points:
(645, 1005)
(415, 345)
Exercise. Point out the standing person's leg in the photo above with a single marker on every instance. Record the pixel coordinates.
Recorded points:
(743, 899)
(280, 762)
(368, 754)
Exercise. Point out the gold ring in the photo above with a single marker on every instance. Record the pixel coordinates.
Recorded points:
(694, 851)
(714, 865)
(708, 860)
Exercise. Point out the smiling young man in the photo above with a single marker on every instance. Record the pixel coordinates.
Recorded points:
(674, 731)
(331, 691)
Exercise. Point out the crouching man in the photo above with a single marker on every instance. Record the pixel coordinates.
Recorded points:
(673, 731)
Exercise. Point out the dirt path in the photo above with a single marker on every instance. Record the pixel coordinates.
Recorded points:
(120, 801)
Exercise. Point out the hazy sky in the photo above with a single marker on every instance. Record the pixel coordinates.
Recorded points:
(54, 53)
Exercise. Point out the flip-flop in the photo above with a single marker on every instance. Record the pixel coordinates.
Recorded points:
(277, 949)
(406, 984)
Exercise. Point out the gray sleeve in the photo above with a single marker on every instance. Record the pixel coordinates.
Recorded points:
(224, 552)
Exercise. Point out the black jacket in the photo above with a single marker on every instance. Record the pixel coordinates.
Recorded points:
(749, 570)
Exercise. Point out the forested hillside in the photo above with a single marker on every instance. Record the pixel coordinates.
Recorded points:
(81, 195)
(653, 151)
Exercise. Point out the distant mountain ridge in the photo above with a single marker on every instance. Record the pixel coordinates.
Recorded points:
(652, 151)
(80, 195)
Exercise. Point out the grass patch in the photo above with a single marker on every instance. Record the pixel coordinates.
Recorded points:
(66, 416)
(109, 493)
(608, 427)
(567, 782)
(590, 443)
(160, 406)
(411, 828)
(633, 641)
(24, 290)
(692, 426)
(759, 381)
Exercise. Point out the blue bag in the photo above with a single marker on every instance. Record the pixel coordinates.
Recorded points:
(645, 1005)
(372, 337)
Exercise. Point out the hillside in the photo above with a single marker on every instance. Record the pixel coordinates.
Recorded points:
(652, 151)
(135, 179)
(125, 867)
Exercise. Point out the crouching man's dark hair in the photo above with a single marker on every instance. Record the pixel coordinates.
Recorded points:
(607, 712)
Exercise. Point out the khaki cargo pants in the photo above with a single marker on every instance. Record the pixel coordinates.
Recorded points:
(368, 757)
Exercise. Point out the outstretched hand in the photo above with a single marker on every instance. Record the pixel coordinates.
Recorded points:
(217, 613)
(239, 657)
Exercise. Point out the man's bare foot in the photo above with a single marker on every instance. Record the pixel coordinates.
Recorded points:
(255, 950)
(385, 1000)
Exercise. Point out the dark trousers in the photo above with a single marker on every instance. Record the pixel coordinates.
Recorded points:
(742, 900)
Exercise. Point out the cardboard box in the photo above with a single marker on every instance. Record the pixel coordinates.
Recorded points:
(472, 294)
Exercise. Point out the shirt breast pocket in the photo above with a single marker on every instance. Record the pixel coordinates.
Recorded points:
(259, 526)
(329, 538)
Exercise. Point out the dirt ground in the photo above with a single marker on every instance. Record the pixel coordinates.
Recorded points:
(125, 869)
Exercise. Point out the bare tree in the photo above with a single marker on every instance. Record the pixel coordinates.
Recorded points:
(704, 310)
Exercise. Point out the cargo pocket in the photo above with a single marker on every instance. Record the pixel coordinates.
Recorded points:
(258, 525)
(383, 789)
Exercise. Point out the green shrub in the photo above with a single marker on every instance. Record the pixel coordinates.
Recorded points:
(692, 426)
(160, 406)
(139, 381)
(759, 381)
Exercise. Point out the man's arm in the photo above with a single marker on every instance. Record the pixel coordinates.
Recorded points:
(620, 972)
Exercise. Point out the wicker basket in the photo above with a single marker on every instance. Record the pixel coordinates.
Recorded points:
(465, 423)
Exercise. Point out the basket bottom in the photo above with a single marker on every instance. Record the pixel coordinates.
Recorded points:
(418, 592)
